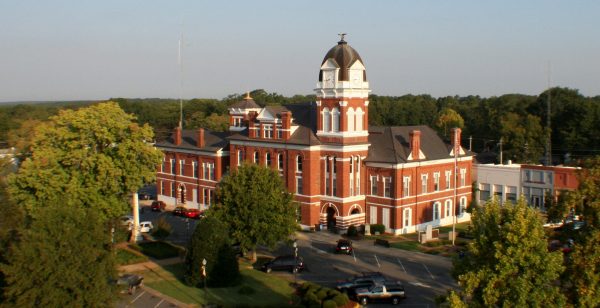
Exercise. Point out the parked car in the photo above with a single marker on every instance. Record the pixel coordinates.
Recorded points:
(290, 263)
(158, 206)
(146, 226)
(365, 280)
(179, 211)
(385, 292)
(193, 213)
(344, 246)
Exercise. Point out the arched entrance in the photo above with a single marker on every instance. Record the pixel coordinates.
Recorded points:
(330, 218)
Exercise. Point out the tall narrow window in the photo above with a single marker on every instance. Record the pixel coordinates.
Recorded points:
(173, 194)
(358, 125)
(374, 185)
(173, 166)
(351, 178)
(423, 183)
(448, 208)
(407, 217)
(256, 157)
(205, 171)
(387, 187)
(357, 180)
(463, 205)
(280, 161)
(350, 117)
(163, 166)
(163, 188)
(299, 188)
(436, 181)
(211, 171)
(298, 163)
(463, 176)
(240, 157)
(406, 186)
(268, 159)
(335, 120)
(181, 167)
(448, 174)
(327, 176)
(334, 177)
(436, 211)
(195, 169)
(326, 119)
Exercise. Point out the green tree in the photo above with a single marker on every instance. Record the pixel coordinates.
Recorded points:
(61, 261)
(447, 119)
(508, 263)
(256, 206)
(11, 220)
(211, 241)
(92, 157)
(522, 136)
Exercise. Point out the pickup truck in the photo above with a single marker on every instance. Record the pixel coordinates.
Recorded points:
(386, 292)
(364, 281)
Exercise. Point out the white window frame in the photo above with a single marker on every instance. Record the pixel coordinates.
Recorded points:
(436, 210)
(255, 157)
(406, 186)
(374, 185)
(463, 177)
(268, 159)
(387, 187)
(240, 157)
(436, 181)
(299, 186)
(448, 208)
(424, 178)
(299, 164)
(407, 217)
(195, 169)
(268, 131)
(462, 205)
(448, 174)
(280, 162)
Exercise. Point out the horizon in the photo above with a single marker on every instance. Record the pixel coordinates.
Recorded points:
(72, 51)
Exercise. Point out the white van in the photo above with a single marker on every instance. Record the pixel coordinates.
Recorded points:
(146, 226)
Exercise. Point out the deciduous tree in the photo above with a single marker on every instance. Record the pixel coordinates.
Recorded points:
(508, 263)
(256, 206)
(446, 119)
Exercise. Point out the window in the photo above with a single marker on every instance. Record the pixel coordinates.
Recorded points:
(173, 189)
(407, 217)
(358, 124)
(299, 189)
(172, 166)
(163, 166)
(209, 171)
(511, 194)
(484, 192)
(463, 177)
(335, 120)
(255, 157)
(240, 157)
(373, 215)
(298, 163)
(463, 205)
(268, 159)
(448, 208)
(163, 188)
(406, 186)
(351, 184)
(268, 131)
(280, 161)
(374, 185)
(279, 132)
(206, 197)
(181, 166)
(527, 175)
(448, 174)
(326, 119)
(357, 180)
(237, 121)
(195, 169)
(436, 181)
(387, 187)
(423, 183)
(498, 192)
(436, 211)
(350, 117)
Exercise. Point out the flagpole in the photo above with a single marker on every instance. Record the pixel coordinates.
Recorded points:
(456, 149)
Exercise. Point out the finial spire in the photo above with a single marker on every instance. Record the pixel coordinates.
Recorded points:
(342, 36)
(248, 95)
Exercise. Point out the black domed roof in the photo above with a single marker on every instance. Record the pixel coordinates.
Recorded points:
(344, 56)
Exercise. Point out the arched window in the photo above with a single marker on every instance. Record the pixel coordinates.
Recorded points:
(298, 163)
(256, 157)
(326, 119)
(350, 117)
(359, 119)
(436, 210)
(335, 120)
(448, 208)
(268, 159)
(407, 217)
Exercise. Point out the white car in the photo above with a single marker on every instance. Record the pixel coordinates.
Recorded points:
(146, 226)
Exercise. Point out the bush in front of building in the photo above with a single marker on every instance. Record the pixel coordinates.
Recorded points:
(352, 231)
(377, 228)
(314, 295)
(163, 228)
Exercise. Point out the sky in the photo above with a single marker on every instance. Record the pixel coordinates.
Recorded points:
(95, 50)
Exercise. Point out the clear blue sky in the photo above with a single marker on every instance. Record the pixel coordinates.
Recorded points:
(69, 50)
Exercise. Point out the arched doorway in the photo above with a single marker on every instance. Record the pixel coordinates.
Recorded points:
(330, 218)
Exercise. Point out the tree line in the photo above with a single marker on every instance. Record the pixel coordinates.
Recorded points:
(516, 121)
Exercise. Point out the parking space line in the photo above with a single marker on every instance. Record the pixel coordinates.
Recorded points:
(379, 265)
(135, 299)
(429, 272)
(404, 269)
(159, 303)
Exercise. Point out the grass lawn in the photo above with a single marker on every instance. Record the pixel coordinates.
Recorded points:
(125, 257)
(157, 250)
(459, 227)
(270, 291)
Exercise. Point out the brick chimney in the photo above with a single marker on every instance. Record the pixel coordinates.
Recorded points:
(415, 143)
(177, 136)
(286, 124)
(200, 141)
(251, 130)
(456, 139)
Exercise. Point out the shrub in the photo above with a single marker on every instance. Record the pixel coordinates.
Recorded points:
(341, 299)
(352, 231)
(322, 294)
(329, 304)
(163, 228)
(377, 228)
(158, 250)
(246, 290)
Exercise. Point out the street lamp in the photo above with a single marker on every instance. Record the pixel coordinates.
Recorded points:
(295, 270)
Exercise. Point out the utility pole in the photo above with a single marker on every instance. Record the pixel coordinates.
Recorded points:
(500, 144)
(470, 143)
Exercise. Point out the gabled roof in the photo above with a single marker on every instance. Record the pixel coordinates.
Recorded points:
(213, 141)
(246, 103)
(392, 144)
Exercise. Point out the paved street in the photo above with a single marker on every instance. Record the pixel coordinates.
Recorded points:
(182, 227)
(145, 298)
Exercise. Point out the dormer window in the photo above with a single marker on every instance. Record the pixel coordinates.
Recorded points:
(268, 131)
(238, 121)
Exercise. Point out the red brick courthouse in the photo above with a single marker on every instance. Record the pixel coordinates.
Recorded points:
(342, 171)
